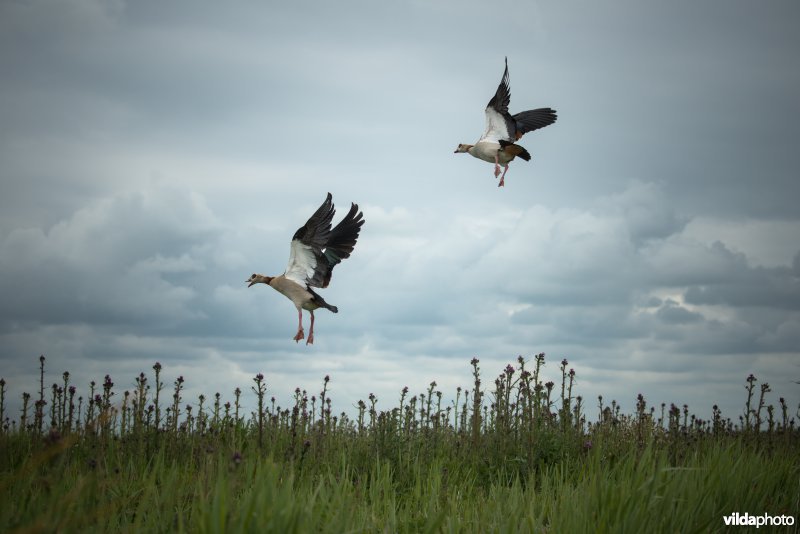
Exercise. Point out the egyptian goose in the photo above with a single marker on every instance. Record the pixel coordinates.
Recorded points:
(503, 129)
(315, 250)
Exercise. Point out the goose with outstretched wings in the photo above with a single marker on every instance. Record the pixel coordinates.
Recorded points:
(315, 250)
(503, 130)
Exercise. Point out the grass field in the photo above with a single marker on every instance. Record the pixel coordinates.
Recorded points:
(518, 455)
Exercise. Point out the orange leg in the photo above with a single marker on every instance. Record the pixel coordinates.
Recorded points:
(310, 340)
(503, 178)
(496, 166)
(300, 334)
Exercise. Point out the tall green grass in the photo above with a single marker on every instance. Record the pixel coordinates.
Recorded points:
(518, 456)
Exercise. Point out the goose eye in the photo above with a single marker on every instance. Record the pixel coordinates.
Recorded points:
(252, 276)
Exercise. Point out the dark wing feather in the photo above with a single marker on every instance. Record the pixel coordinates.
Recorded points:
(501, 100)
(315, 231)
(316, 248)
(527, 121)
(502, 97)
(341, 241)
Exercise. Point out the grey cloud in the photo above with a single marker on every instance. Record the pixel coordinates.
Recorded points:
(592, 251)
(109, 262)
(762, 287)
(673, 313)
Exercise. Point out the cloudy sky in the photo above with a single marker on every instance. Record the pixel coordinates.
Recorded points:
(155, 154)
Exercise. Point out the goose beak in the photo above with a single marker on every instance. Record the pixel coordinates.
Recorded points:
(250, 284)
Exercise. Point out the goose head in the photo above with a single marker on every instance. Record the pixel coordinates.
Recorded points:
(462, 148)
(258, 279)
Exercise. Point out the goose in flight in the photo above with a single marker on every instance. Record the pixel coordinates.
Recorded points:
(315, 250)
(503, 130)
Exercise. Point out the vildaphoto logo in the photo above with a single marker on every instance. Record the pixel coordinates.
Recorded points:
(765, 520)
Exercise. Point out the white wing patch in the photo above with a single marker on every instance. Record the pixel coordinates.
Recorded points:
(496, 127)
(301, 263)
